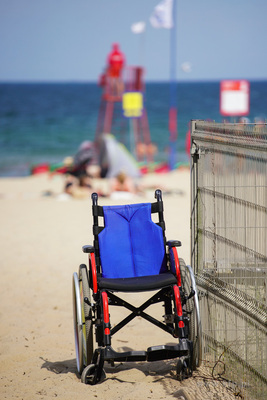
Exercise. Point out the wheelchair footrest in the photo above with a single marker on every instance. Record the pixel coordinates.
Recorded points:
(112, 355)
(154, 353)
(165, 352)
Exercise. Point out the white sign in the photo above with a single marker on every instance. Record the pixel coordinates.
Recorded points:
(234, 98)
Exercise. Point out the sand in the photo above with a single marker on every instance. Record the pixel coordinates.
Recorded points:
(41, 236)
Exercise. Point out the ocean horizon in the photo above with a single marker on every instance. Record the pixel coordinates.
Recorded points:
(44, 122)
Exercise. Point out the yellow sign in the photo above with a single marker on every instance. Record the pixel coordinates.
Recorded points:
(132, 104)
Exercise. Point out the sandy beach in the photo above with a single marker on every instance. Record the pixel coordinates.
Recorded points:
(41, 235)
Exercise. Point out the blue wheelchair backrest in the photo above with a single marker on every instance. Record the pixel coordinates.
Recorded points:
(131, 244)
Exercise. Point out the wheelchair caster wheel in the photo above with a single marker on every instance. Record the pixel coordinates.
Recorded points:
(89, 375)
(182, 369)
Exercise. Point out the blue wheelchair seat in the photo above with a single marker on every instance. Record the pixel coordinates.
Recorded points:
(131, 244)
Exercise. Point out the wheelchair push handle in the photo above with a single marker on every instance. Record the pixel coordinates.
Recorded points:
(94, 197)
(158, 195)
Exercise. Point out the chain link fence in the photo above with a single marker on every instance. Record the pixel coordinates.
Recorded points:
(229, 248)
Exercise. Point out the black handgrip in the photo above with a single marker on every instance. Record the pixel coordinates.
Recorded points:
(94, 197)
(158, 195)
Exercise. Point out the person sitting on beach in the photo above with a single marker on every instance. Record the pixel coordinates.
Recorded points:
(122, 186)
(122, 183)
(78, 187)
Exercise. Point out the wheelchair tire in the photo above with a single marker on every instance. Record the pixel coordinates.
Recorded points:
(182, 369)
(192, 308)
(77, 321)
(89, 375)
(87, 332)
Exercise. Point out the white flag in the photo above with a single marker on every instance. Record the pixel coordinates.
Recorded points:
(162, 15)
(138, 27)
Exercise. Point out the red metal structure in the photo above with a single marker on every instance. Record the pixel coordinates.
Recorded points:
(133, 132)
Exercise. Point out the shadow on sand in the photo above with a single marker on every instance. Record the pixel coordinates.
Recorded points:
(61, 367)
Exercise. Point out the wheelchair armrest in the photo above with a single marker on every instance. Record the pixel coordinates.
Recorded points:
(92, 265)
(88, 249)
(174, 243)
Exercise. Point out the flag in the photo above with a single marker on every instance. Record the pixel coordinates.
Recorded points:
(162, 15)
(138, 27)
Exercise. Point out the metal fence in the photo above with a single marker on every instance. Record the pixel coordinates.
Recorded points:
(229, 248)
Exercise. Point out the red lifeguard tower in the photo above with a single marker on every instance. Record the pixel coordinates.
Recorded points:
(123, 114)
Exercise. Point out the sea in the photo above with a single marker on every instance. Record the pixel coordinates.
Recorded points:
(46, 122)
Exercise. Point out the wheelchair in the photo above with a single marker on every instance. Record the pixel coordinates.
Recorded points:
(130, 254)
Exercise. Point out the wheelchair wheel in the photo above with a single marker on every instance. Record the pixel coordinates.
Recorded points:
(86, 309)
(77, 321)
(182, 369)
(192, 308)
(89, 375)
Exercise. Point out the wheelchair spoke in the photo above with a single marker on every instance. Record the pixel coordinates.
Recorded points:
(86, 316)
(192, 309)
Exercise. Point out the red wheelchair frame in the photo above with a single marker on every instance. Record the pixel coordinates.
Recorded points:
(93, 294)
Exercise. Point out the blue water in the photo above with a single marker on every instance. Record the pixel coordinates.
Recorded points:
(47, 122)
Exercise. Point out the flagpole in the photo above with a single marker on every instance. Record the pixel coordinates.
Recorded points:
(173, 131)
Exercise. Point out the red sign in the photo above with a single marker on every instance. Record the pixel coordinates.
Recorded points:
(234, 98)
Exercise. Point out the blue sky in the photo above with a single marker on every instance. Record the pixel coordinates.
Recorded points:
(68, 40)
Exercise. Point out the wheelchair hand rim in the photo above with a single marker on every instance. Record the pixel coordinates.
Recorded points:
(77, 322)
(198, 320)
